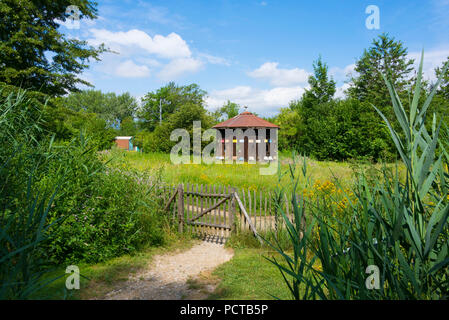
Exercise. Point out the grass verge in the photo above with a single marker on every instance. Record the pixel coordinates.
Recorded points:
(249, 276)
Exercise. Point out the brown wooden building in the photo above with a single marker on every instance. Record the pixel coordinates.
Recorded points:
(247, 138)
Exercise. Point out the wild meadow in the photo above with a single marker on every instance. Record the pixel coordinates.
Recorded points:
(242, 175)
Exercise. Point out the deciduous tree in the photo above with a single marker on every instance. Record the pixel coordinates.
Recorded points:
(35, 54)
(169, 98)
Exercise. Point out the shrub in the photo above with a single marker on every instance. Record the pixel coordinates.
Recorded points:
(109, 213)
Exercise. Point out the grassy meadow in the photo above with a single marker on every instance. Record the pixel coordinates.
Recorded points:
(242, 175)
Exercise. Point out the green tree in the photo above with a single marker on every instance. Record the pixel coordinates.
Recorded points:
(67, 124)
(322, 88)
(386, 56)
(229, 110)
(169, 98)
(443, 90)
(108, 106)
(159, 138)
(35, 54)
(289, 121)
(311, 104)
(440, 102)
(128, 127)
(121, 106)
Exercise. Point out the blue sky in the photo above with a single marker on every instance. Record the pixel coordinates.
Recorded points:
(255, 53)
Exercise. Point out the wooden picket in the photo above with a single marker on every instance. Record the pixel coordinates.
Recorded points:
(217, 211)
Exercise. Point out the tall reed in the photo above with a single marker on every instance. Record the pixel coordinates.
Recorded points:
(397, 226)
(23, 209)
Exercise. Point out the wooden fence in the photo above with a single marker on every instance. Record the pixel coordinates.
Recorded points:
(219, 210)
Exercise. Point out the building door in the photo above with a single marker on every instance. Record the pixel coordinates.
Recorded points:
(245, 149)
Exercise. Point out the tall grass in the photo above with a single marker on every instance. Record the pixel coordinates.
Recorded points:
(243, 175)
(23, 209)
(398, 225)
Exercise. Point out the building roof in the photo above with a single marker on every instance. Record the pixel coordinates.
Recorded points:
(245, 120)
(123, 138)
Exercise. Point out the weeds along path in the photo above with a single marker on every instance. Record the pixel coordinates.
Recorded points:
(167, 277)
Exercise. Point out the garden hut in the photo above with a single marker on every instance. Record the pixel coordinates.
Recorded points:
(248, 138)
(125, 143)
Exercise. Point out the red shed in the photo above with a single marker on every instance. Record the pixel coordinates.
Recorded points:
(126, 143)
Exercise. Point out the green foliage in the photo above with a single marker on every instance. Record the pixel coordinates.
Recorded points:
(60, 203)
(181, 105)
(341, 130)
(23, 208)
(30, 34)
(399, 226)
(443, 89)
(386, 57)
(170, 97)
(322, 89)
(108, 106)
(182, 118)
(229, 110)
(107, 216)
(67, 124)
(325, 128)
(288, 136)
(128, 127)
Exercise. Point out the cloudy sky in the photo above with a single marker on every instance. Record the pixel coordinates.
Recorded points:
(255, 53)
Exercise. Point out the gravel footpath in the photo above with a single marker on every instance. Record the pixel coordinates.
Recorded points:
(165, 277)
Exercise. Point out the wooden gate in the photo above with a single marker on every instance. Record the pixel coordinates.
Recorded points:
(207, 212)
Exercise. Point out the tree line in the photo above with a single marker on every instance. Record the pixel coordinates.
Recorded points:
(330, 128)
(318, 124)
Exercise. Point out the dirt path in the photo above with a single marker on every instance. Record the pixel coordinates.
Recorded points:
(167, 277)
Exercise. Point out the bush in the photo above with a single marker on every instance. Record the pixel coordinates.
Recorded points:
(107, 210)
(342, 130)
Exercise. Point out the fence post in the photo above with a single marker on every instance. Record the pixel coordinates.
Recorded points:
(180, 208)
(232, 209)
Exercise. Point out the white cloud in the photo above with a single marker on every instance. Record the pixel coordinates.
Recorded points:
(214, 60)
(340, 91)
(171, 46)
(129, 69)
(153, 63)
(168, 56)
(432, 59)
(340, 74)
(178, 67)
(263, 102)
(280, 77)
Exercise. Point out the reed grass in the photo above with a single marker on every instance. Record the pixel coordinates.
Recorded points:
(397, 224)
